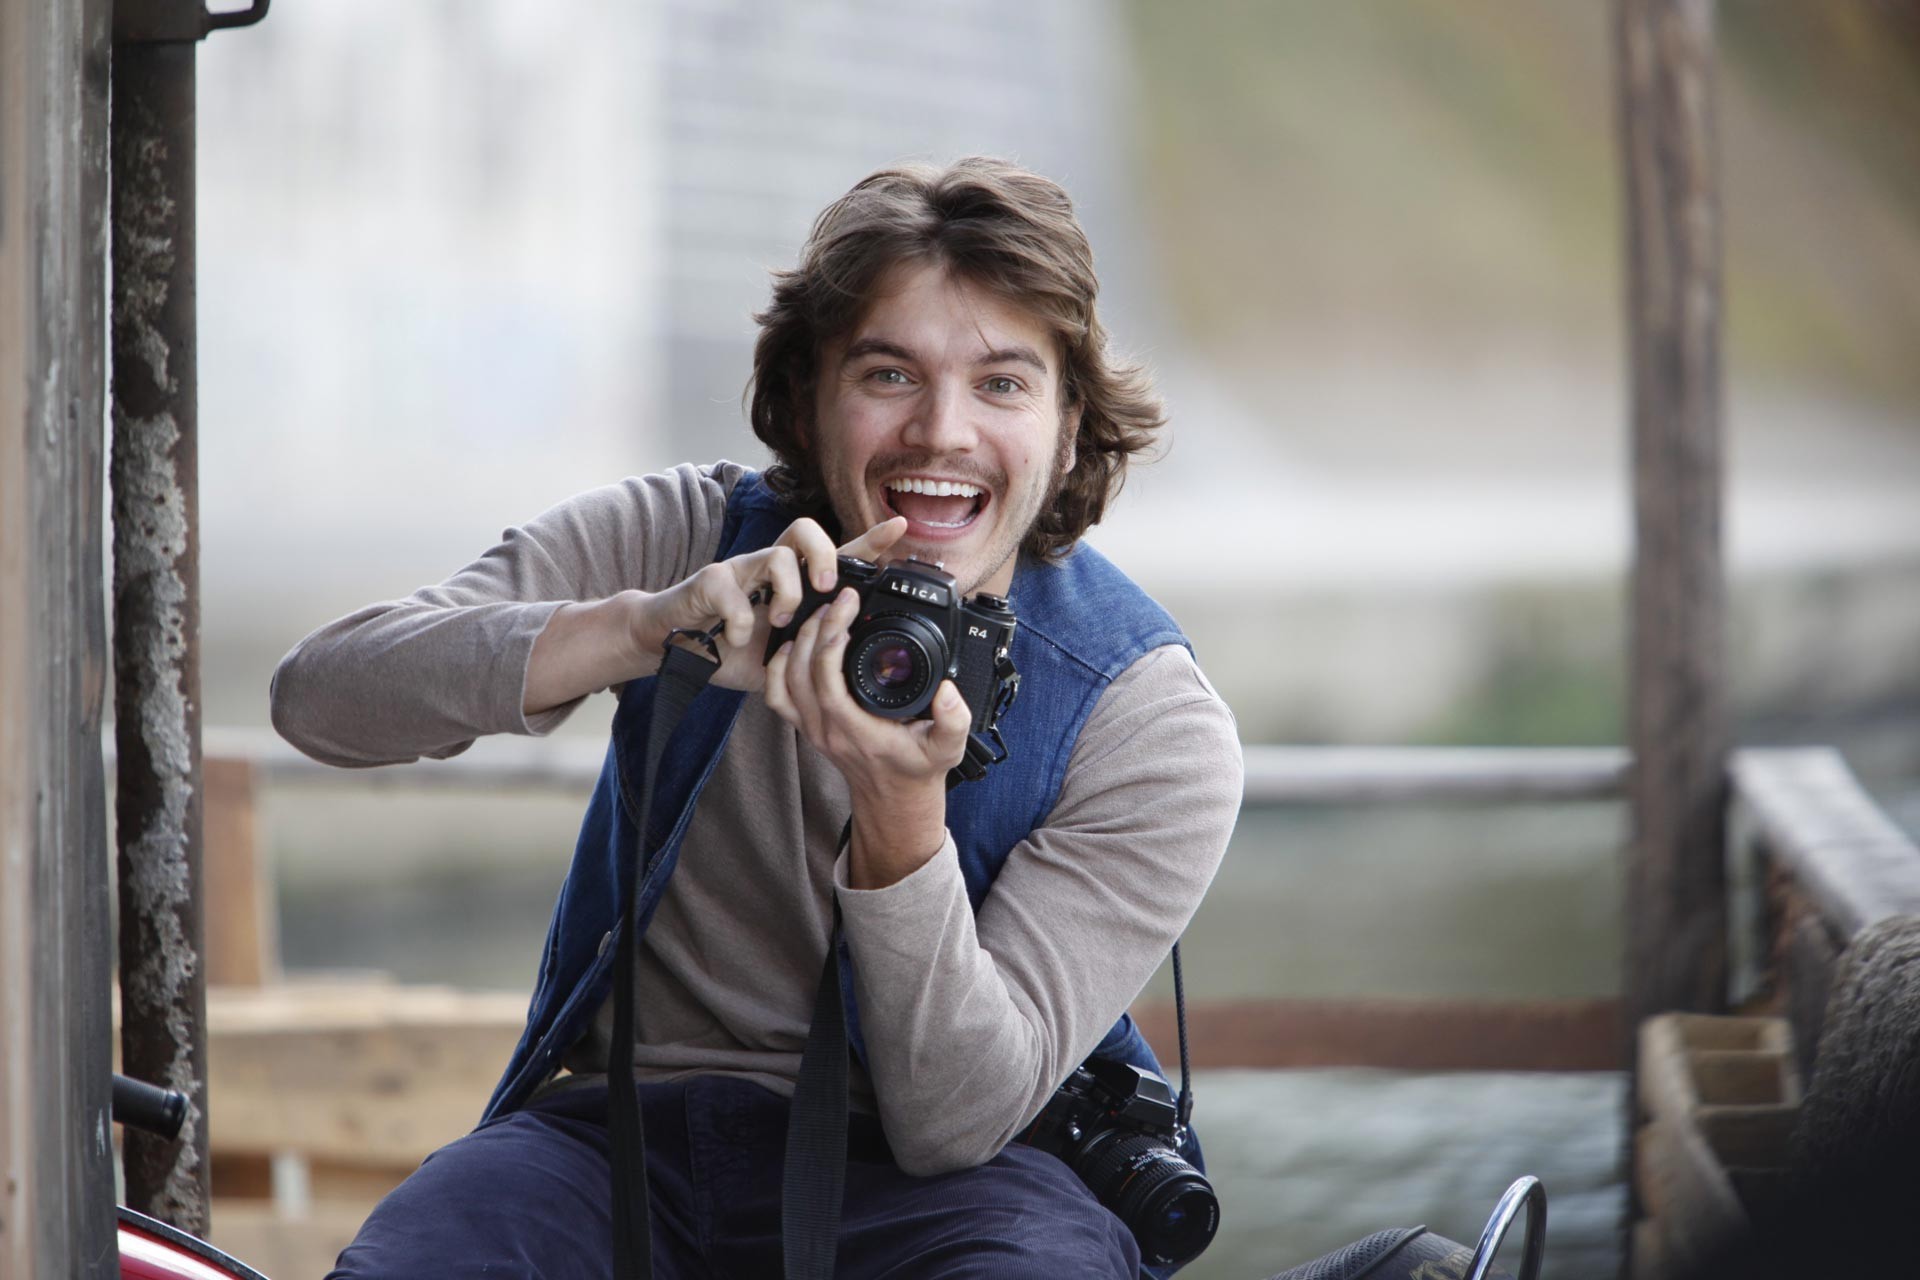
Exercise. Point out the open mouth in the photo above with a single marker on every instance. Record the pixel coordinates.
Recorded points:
(936, 506)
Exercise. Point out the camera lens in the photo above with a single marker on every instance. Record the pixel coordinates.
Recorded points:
(891, 663)
(894, 663)
(1167, 1203)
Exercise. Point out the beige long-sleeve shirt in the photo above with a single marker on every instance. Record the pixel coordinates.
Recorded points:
(970, 1022)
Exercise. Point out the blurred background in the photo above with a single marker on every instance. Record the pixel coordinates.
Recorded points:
(460, 261)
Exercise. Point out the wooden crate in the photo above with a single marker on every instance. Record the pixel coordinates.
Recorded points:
(1718, 1097)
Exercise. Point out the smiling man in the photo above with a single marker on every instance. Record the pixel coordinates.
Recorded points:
(933, 381)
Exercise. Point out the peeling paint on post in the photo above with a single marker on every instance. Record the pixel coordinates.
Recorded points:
(156, 611)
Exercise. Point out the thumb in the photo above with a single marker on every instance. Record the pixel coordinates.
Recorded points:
(947, 731)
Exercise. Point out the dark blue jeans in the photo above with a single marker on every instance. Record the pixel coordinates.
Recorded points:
(527, 1196)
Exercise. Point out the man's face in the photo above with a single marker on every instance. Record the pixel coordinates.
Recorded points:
(943, 406)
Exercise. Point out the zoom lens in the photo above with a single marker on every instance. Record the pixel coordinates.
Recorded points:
(894, 664)
(1167, 1203)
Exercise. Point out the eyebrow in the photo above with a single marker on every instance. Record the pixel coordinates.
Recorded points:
(1017, 354)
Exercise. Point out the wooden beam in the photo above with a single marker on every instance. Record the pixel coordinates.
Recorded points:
(1676, 886)
(241, 946)
(1816, 822)
(56, 1169)
(1406, 1035)
(358, 1073)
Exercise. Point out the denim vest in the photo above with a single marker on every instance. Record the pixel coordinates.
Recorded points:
(1081, 623)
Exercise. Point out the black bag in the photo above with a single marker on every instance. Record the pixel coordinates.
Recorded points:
(1415, 1253)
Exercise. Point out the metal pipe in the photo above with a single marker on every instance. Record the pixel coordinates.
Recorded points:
(156, 612)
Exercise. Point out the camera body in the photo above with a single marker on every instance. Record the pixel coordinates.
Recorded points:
(912, 632)
(1117, 1127)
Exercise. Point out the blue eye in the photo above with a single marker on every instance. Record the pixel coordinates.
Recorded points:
(1002, 386)
(892, 377)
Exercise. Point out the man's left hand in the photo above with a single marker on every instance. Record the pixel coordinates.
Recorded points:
(896, 770)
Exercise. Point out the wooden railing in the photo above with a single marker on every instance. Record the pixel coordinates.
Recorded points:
(325, 1094)
(1835, 865)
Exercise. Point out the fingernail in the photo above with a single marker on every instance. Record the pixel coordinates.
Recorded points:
(783, 619)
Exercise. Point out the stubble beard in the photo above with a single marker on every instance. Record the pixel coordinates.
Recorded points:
(846, 506)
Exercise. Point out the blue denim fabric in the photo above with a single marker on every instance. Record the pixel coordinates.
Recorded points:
(1081, 623)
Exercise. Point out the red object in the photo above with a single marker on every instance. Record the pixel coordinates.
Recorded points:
(152, 1250)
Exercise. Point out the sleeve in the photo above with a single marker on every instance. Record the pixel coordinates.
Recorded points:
(426, 675)
(970, 1024)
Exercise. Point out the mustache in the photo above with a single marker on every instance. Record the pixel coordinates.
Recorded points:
(915, 463)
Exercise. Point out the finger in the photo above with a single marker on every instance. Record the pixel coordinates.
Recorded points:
(877, 541)
(718, 594)
(736, 611)
(799, 676)
(778, 698)
(811, 543)
(830, 648)
(780, 570)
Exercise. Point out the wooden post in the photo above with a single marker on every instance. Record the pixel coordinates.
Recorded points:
(56, 1157)
(1676, 886)
(241, 947)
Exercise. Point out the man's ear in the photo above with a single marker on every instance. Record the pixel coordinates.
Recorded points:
(1070, 428)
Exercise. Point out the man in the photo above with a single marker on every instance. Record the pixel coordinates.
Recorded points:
(933, 381)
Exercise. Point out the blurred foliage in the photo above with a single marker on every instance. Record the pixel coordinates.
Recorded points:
(1552, 673)
(1420, 170)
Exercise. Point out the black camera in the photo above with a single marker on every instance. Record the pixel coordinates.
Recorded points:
(914, 631)
(1117, 1127)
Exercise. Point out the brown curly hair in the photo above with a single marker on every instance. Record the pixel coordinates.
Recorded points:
(999, 227)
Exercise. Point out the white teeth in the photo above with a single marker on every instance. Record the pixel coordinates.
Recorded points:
(935, 488)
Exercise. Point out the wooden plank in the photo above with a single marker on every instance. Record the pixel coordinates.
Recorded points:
(56, 1169)
(1684, 1190)
(241, 950)
(362, 1074)
(1350, 775)
(1813, 817)
(1676, 898)
(278, 1245)
(1408, 1035)
(1274, 774)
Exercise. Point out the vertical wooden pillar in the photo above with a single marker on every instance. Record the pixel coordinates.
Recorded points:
(1676, 891)
(241, 946)
(56, 1155)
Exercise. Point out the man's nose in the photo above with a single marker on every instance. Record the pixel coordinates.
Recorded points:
(944, 422)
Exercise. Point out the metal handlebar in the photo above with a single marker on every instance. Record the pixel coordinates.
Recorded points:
(1530, 1192)
(148, 1106)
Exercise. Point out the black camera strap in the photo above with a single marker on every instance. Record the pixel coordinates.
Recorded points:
(683, 674)
(814, 1177)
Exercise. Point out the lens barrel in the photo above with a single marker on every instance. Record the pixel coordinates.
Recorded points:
(1167, 1203)
(894, 663)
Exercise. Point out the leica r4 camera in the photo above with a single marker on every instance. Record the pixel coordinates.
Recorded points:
(1117, 1127)
(914, 631)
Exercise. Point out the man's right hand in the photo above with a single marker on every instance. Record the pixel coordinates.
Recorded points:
(589, 646)
(723, 591)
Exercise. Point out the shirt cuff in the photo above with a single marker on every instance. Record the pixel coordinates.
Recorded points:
(929, 889)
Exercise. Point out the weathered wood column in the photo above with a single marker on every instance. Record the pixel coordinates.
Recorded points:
(56, 1154)
(1676, 890)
